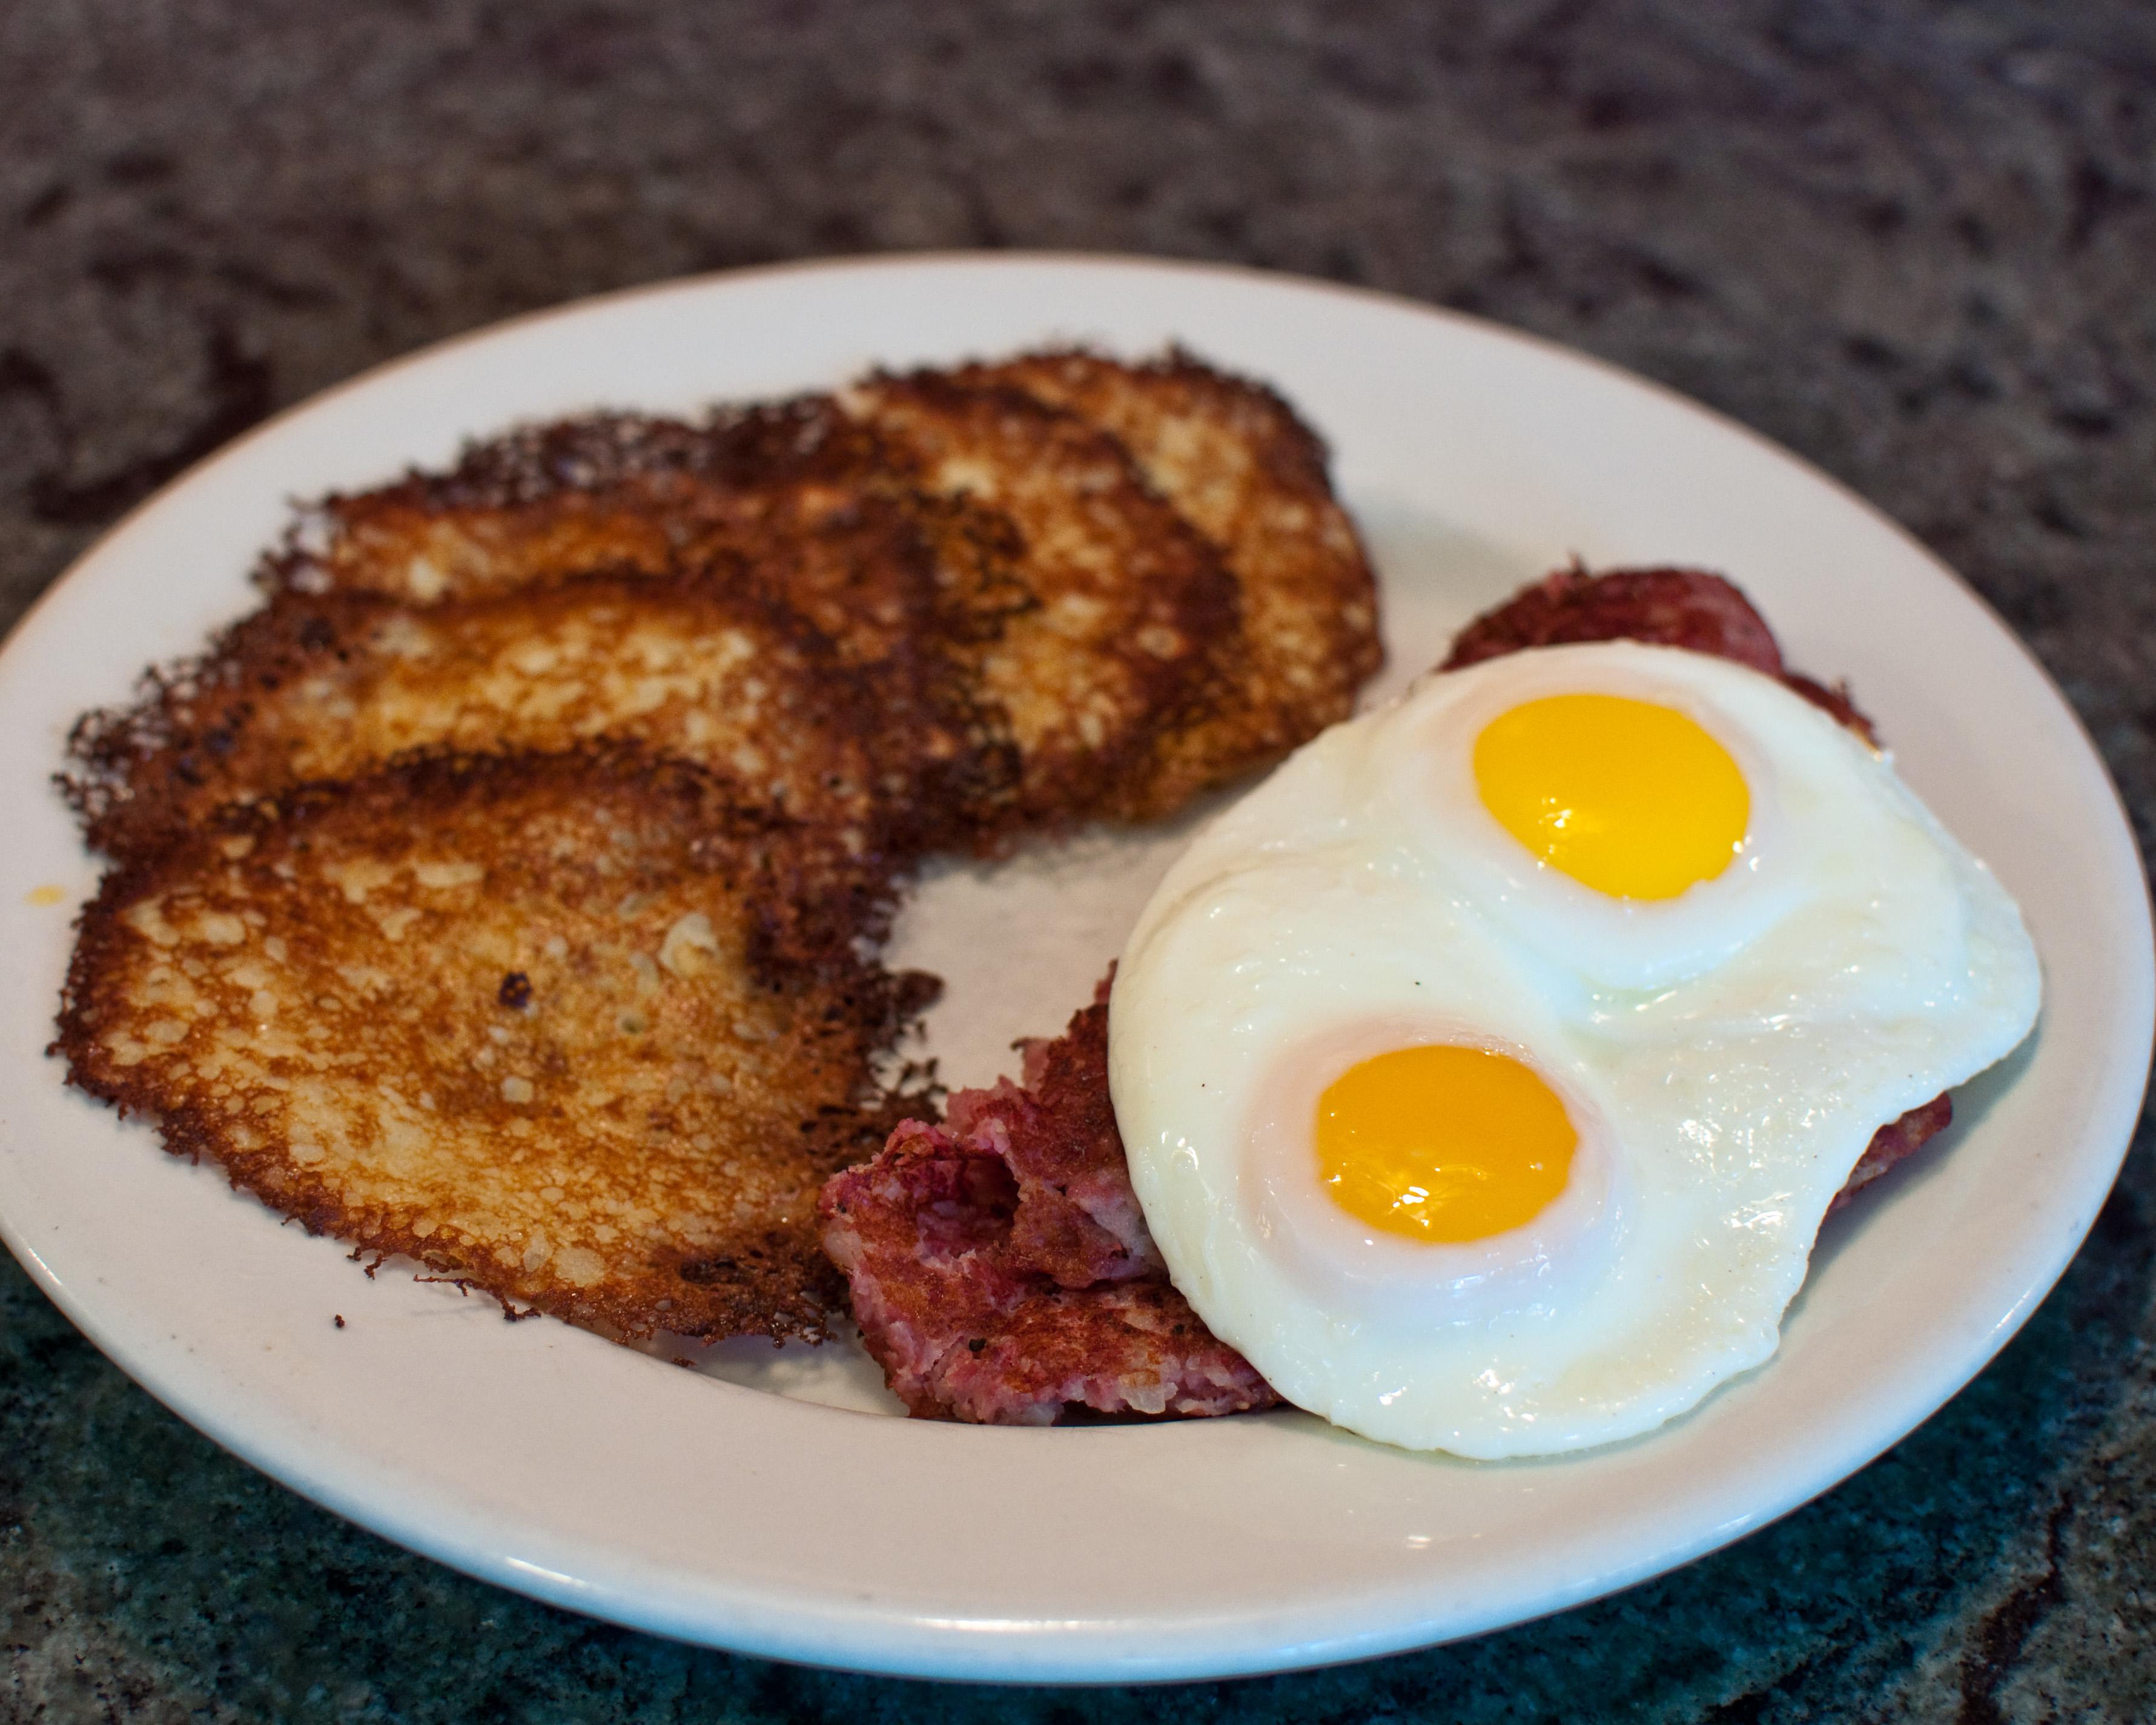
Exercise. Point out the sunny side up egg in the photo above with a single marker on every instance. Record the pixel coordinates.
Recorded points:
(1486, 1073)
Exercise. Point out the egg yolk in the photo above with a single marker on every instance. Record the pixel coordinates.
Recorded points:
(1630, 798)
(1443, 1143)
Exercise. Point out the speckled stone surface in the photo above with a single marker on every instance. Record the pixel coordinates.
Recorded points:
(1917, 243)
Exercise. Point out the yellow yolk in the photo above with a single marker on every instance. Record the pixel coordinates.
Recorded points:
(1443, 1143)
(1630, 798)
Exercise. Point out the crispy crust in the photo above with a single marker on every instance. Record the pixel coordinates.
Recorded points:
(575, 1031)
(622, 491)
(1244, 469)
(1125, 602)
(334, 686)
(793, 503)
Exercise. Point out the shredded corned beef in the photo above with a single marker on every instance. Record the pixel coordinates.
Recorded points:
(1664, 608)
(1077, 1218)
(1668, 608)
(1896, 1141)
(1001, 1271)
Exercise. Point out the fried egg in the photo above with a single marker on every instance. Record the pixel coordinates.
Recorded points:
(1486, 1072)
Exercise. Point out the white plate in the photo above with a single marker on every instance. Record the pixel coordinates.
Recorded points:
(542, 1459)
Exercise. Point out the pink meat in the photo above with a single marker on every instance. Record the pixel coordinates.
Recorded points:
(1664, 607)
(1001, 1271)
(1896, 1141)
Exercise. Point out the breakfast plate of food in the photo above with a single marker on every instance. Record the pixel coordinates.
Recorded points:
(1389, 979)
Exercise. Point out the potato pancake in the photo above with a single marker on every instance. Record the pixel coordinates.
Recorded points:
(1125, 601)
(572, 1029)
(333, 686)
(622, 491)
(795, 504)
(1249, 475)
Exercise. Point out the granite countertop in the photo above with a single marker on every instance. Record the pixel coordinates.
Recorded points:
(1914, 242)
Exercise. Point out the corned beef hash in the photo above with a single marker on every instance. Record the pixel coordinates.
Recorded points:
(505, 896)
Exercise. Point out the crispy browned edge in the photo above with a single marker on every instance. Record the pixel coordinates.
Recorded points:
(794, 499)
(747, 449)
(1259, 714)
(818, 911)
(1173, 580)
(142, 773)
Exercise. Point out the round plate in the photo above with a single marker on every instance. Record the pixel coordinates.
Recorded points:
(541, 1458)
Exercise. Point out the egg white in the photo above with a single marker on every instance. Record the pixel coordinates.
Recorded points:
(1727, 1055)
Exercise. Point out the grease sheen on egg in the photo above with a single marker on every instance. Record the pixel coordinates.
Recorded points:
(1719, 1054)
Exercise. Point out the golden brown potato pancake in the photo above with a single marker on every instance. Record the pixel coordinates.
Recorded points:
(1124, 600)
(572, 1030)
(334, 685)
(1249, 475)
(622, 491)
(795, 504)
